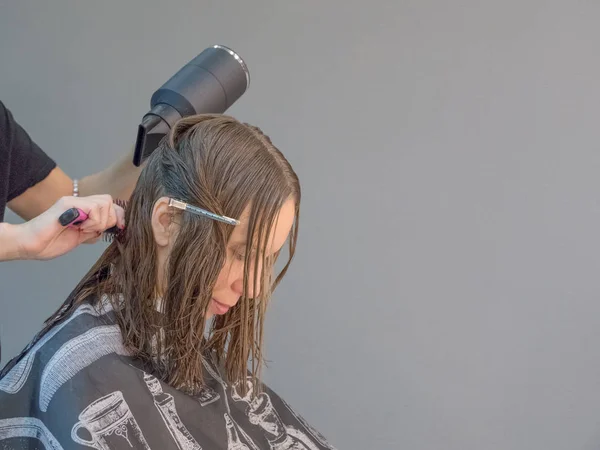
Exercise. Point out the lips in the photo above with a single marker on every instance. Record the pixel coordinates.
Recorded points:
(220, 308)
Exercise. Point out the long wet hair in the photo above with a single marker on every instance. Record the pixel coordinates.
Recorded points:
(224, 166)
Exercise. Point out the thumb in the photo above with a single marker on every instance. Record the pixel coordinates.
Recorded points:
(89, 237)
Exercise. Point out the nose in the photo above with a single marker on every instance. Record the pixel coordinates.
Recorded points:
(237, 284)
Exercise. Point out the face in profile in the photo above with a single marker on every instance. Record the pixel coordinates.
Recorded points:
(229, 286)
(230, 283)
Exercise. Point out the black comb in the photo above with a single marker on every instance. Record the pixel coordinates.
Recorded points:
(114, 232)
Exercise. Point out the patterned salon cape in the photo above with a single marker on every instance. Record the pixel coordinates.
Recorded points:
(77, 388)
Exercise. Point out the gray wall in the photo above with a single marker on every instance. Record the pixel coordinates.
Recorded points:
(445, 293)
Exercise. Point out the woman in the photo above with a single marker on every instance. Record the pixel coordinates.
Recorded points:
(151, 350)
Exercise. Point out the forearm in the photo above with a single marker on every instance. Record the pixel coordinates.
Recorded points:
(41, 196)
(118, 180)
(9, 247)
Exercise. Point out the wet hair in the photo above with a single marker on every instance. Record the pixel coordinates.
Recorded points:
(227, 167)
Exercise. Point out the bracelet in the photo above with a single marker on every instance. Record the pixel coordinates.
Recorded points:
(75, 188)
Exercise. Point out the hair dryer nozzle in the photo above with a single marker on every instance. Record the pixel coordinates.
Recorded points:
(209, 83)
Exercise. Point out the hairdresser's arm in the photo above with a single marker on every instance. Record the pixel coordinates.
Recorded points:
(118, 180)
(9, 236)
(45, 238)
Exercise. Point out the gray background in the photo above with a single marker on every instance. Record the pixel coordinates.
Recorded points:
(445, 291)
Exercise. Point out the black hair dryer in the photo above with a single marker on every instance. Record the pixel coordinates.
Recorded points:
(209, 83)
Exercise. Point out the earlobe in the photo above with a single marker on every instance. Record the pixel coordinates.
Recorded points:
(162, 225)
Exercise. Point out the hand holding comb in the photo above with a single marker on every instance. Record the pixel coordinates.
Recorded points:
(74, 217)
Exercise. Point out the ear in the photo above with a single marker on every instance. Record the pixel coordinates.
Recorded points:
(163, 226)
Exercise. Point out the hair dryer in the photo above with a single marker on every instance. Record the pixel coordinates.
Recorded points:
(209, 83)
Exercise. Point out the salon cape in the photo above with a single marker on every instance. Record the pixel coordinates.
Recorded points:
(77, 388)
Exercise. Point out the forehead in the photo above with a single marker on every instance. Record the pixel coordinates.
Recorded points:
(278, 232)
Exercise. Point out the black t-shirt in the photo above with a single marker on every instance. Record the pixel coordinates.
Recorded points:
(22, 163)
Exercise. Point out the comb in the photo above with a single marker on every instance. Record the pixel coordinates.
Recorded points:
(114, 232)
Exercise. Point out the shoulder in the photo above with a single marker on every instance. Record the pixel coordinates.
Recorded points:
(6, 120)
(14, 139)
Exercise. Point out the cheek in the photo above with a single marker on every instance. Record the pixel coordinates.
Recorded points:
(232, 275)
(222, 279)
(232, 270)
(254, 291)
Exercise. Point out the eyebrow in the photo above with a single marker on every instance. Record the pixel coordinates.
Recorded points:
(239, 243)
(243, 243)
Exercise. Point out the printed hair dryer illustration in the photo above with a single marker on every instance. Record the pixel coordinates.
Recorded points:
(209, 83)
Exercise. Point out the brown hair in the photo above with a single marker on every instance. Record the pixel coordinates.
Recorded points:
(224, 166)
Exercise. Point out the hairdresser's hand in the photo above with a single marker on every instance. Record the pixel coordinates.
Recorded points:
(45, 238)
